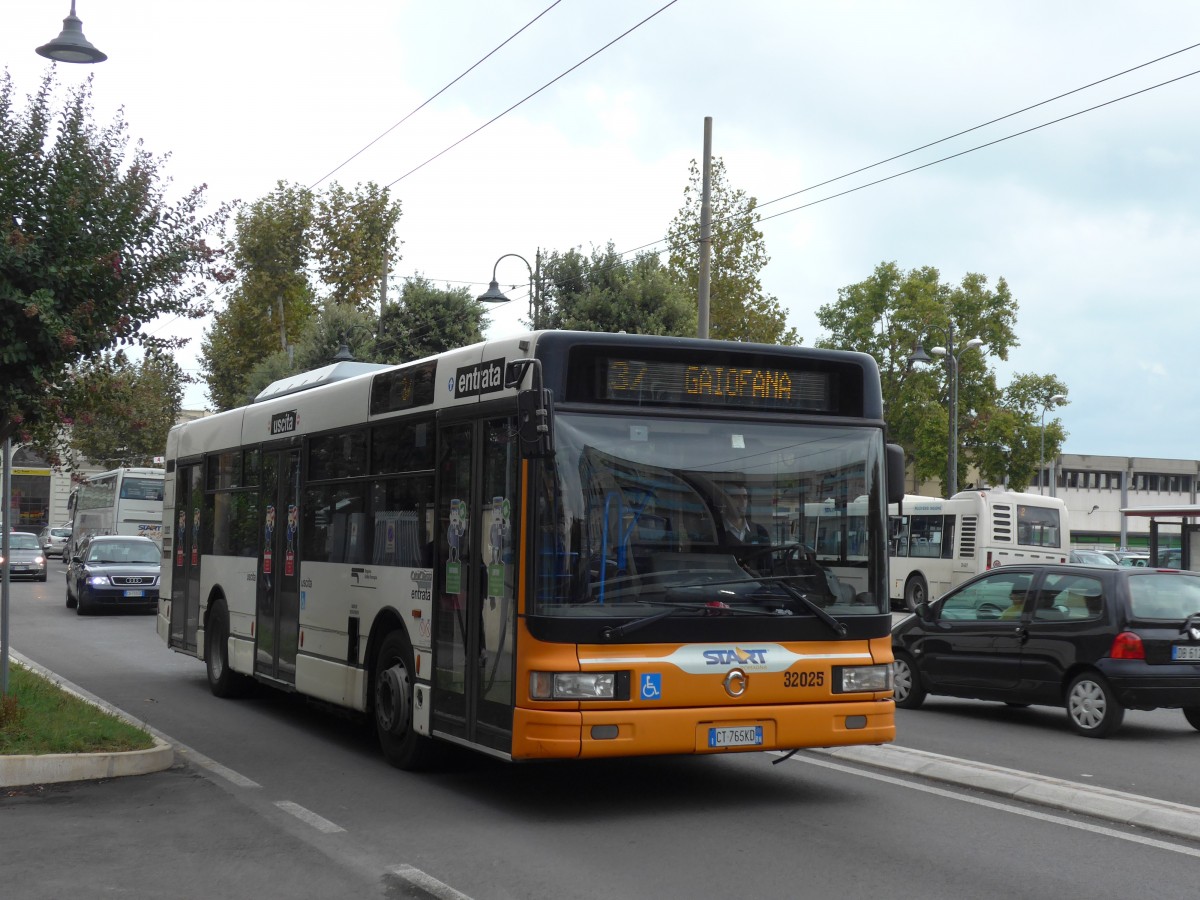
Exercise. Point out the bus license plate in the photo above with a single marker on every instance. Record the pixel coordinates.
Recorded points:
(1179, 652)
(135, 593)
(745, 736)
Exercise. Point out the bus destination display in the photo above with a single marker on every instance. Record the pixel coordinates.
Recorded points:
(763, 387)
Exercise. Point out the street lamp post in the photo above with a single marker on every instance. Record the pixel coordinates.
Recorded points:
(71, 46)
(952, 360)
(494, 295)
(1054, 401)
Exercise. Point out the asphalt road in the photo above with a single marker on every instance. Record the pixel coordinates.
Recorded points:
(273, 797)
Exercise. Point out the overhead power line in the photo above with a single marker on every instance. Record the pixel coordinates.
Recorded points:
(943, 159)
(449, 85)
(526, 99)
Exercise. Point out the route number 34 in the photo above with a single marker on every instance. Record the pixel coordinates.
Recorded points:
(803, 679)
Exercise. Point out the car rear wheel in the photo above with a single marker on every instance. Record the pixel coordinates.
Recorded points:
(906, 683)
(1092, 708)
(1192, 714)
(916, 591)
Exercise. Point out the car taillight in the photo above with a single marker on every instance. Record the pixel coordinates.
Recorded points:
(1127, 645)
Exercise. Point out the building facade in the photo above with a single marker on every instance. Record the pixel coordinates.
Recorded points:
(1096, 489)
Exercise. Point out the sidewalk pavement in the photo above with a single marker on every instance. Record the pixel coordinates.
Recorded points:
(1122, 808)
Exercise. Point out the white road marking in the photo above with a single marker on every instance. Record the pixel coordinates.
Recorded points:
(309, 817)
(427, 883)
(1004, 807)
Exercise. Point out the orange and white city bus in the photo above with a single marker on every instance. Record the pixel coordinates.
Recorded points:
(520, 547)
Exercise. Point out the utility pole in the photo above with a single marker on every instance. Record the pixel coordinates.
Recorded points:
(705, 233)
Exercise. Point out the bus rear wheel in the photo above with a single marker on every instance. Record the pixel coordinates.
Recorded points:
(393, 706)
(222, 680)
(916, 591)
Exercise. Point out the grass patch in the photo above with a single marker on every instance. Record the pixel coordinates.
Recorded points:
(37, 716)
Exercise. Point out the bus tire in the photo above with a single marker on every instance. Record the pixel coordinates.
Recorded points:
(392, 706)
(907, 690)
(222, 680)
(916, 591)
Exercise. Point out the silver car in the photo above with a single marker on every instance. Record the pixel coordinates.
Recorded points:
(54, 539)
(28, 560)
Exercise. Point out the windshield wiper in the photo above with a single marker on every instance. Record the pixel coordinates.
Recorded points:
(839, 628)
(790, 590)
(613, 631)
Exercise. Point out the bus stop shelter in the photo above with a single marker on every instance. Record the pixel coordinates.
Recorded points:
(1182, 515)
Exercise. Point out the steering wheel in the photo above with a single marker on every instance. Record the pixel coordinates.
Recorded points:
(989, 611)
(792, 550)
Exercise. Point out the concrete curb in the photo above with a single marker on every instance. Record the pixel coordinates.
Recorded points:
(1162, 816)
(50, 768)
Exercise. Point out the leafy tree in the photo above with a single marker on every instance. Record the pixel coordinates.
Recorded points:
(294, 251)
(117, 411)
(738, 308)
(1007, 445)
(272, 299)
(91, 248)
(605, 293)
(427, 320)
(893, 312)
(355, 235)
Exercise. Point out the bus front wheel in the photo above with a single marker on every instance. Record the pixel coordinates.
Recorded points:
(393, 706)
(916, 591)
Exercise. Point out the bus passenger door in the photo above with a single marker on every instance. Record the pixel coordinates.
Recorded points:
(277, 621)
(475, 618)
(185, 562)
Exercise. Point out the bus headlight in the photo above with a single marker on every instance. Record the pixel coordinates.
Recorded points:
(572, 685)
(859, 679)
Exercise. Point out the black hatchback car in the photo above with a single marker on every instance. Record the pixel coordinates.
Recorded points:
(114, 571)
(1096, 640)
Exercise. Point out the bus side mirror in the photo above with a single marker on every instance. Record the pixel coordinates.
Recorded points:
(535, 416)
(895, 473)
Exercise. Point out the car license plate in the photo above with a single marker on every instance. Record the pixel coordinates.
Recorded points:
(1185, 652)
(135, 593)
(744, 736)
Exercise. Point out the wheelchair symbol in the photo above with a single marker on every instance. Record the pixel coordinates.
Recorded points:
(652, 686)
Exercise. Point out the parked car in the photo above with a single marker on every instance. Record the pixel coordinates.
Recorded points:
(114, 571)
(28, 560)
(54, 540)
(1132, 558)
(1092, 558)
(1096, 640)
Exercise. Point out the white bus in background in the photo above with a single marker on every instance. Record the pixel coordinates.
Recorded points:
(122, 501)
(935, 544)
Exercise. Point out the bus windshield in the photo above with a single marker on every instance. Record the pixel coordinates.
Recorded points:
(646, 512)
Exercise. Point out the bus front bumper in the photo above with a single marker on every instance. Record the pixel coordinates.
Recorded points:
(575, 734)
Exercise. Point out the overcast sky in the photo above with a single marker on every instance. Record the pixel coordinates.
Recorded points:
(1094, 221)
